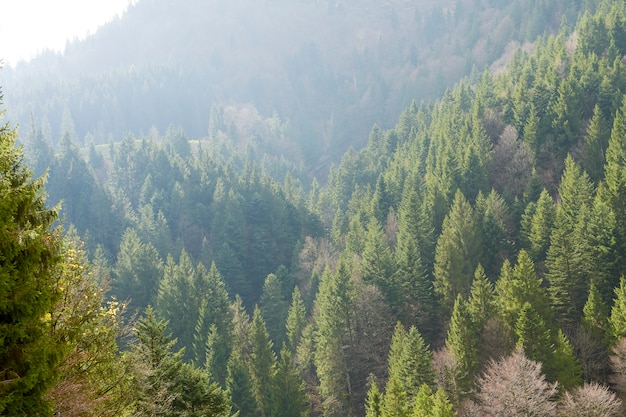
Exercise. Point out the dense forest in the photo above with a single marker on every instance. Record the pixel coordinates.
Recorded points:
(330, 69)
(468, 261)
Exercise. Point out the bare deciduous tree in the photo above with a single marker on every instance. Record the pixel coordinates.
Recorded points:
(590, 400)
(515, 386)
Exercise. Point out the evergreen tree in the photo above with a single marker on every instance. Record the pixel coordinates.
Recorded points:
(429, 404)
(373, 406)
(518, 286)
(568, 282)
(30, 250)
(262, 364)
(274, 309)
(481, 301)
(213, 332)
(533, 335)
(138, 271)
(618, 311)
(458, 252)
(289, 398)
(239, 386)
(157, 366)
(296, 321)
(378, 264)
(177, 300)
(541, 222)
(563, 366)
(613, 188)
(462, 340)
(414, 281)
(334, 319)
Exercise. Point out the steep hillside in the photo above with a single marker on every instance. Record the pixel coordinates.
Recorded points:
(330, 69)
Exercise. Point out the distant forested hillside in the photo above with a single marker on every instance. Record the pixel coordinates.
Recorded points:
(329, 69)
(468, 261)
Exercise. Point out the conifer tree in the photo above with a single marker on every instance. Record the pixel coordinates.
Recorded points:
(30, 250)
(613, 188)
(566, 274)
(618, 311)
(373, 406)
(533, 335)
(177, 300)
(239, 386)
(138, 270)
(334, 319)
(563, 366)
(458, 252)
(378, 264)
(262, 364)
(481, 301)
(274, 309)
(518, 286)
(289, 398)
(595, 314)
(296, 321)
(462, 341)
(414, 281)
(214, 322)
(541, 222)
(395, 401)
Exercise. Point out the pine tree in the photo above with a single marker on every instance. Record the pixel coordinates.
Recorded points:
(30, 250)
(410, 361)
(289, 398)
(533, 335)
(414, 281)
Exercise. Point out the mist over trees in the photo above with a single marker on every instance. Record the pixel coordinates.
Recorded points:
(464, 260)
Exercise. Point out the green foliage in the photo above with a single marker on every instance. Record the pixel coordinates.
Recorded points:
(458, 251)
(462, 341)
(334, 319)
(30, 251)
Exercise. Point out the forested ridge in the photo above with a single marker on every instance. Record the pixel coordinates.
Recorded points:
(330, 69)
(468, 261)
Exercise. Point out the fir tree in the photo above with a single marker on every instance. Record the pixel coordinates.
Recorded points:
(458, 252)
(462, 341)
(30, 250)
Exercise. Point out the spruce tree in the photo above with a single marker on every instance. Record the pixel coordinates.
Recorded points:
(262, 365)
(289, 398)
(458, 252)
(334, 319)
(462, 341)
(296, 321)
(373, 406)
(30, 250)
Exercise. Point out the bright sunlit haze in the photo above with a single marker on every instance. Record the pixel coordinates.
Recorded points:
(29, 27)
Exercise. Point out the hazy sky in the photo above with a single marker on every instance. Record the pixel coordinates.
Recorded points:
(30, 26)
